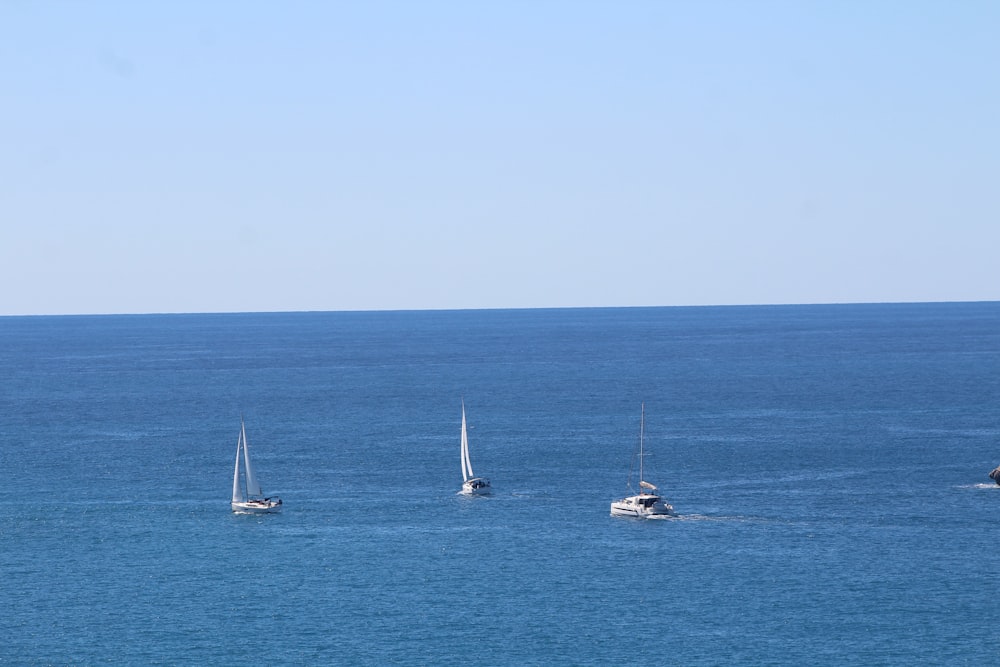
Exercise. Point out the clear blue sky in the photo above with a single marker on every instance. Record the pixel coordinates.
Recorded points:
(258, 156)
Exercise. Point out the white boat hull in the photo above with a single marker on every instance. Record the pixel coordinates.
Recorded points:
(643, 506)
(476, 487)
(268, 505)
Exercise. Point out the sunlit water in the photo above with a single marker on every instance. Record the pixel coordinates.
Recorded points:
(828, 463)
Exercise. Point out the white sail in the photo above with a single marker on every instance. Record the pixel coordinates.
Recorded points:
(253, 487)
(467, 473)
(237, 493)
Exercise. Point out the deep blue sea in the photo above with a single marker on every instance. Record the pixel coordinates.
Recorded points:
(829, 464)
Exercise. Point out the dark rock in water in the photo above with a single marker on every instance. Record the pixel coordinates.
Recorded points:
(995, 475)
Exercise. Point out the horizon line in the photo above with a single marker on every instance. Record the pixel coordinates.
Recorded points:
(502, 308)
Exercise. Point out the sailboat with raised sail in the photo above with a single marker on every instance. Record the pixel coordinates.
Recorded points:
(471, 485)
(249, 497)
(646, 504)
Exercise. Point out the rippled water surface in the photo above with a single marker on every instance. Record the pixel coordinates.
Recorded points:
(829, 464)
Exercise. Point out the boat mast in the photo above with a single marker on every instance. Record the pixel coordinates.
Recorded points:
(642, 428)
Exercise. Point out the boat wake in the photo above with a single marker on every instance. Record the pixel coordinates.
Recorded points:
(720, 518)
(695, 517)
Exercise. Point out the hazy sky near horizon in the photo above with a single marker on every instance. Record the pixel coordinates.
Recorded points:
(259, 156)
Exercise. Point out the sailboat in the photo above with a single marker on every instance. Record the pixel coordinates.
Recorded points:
(471, 485)
(251, 498)
(647, 504)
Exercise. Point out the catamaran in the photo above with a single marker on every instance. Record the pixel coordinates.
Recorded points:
(251, 499)
(646, 504)
(471, 485)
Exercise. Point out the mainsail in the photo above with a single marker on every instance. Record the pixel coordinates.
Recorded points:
(467, 473)
(253, 487)
(237, 493)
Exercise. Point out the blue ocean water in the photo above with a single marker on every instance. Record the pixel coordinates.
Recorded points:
(829, 464)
